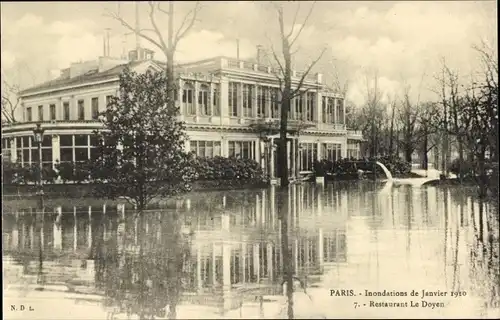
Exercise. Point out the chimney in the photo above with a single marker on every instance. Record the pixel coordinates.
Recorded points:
(259, 51)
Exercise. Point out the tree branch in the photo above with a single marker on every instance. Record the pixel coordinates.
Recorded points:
(294, 20)
(155, 26)
(292, 41)
(124, 23)
(304, 75)
(181, 33)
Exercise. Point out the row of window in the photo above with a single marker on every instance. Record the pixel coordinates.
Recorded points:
(266, 102)
(65, 110)
(238, 149)
(82, 147)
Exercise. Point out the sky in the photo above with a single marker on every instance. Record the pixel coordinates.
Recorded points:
(403, 43)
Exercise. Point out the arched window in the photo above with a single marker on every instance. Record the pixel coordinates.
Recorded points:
(187, 98)
(203, 100)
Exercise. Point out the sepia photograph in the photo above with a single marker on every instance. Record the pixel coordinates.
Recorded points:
(250, 160)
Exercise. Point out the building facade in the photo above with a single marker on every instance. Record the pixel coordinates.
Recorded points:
(230, 108)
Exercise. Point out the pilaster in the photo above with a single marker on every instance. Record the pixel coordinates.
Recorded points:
(13, 148)
(56, 149)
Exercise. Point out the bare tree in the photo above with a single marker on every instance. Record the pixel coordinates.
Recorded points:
(392, 126)
(373, 114)
(10, 101)
(284, 75)
(408, 116)
(451, 122)
(168, 45)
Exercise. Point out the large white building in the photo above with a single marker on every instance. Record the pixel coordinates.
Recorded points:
(225, 103)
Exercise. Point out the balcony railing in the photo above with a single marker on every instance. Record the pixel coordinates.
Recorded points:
(235, 64)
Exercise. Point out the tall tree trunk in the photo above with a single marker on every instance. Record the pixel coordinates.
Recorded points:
(425, 158)
(285, 107)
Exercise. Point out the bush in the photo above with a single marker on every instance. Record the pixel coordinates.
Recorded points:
(349, 167)
(76, 172)
(220, 168)
(14, 173)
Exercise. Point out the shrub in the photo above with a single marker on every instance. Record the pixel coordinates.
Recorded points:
(349, 167)
(221, 168)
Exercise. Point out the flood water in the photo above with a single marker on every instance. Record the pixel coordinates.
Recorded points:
(380, 242)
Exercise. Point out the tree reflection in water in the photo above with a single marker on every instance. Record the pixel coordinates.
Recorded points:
(142, 275)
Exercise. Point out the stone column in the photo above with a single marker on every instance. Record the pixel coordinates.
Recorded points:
(318, 153)
(226, 274)
(195, 98)
(271, 148)
(211, 98)
(240, 100)
(263, 207)
(13, 153)
(257, 151)
(56, 150)
(254, 100)
(319, 107)
(288, 158)
(58, 229)
(73, 108)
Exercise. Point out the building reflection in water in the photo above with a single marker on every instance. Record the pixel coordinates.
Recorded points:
(230, 241)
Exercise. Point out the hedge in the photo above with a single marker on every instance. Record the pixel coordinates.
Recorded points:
(348, 167)
(232, 171)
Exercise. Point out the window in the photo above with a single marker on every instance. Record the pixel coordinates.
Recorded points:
(233, 99)
(66, 110)
(216, 101)
(310, 106)
(203, 101)
(29, 115)
(241, 149)
(298, 104)
(352, 150)
(81, 110)
(208, 149)
(332, 151)
(247, 100)
(323, 110)
(187, 98)
(307, 156)
(95, 108)
(261, 101)
(339, 106)
(275, 98)
(40, 113)
(52, 109)
(76, 148)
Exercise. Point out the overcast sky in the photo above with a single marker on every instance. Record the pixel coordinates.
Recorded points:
(402, 41)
